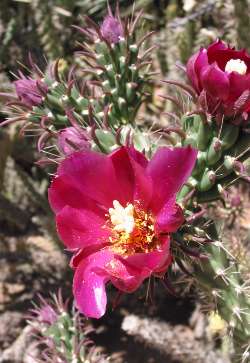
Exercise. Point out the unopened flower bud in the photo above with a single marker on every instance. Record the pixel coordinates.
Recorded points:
(111, 29)
(30, 91)
(71, 139)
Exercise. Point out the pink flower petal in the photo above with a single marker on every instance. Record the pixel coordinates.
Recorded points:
(221, 53)
(81, 228)
(130, 171)
(64, 191)
(213, 49)
(80, 254)
(195, 66)
(215, 82)
(128, 273)
(238, 84)
(191, 72)
(139, 157)
(161, 270)
(92, 173)
(89, 284)
(124, 277)
(169, 169)
(146, 263)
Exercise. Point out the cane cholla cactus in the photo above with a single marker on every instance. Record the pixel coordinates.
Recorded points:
(62, 114)
(126, 215)
(99, 108)
(62, 333)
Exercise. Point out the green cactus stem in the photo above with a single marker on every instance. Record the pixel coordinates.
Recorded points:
(121, 69)
(63, 333)
(220, 147)
(219, 275)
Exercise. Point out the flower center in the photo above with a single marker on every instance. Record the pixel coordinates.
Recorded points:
(132, 230)
(122, 218)
(236, 65)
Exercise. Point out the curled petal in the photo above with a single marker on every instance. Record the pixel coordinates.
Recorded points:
(124, 277)
(147, 263)
(128, 273)
(89, 284)
(170, 217)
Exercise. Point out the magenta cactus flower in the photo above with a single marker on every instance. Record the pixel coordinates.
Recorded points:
(30, 91)
(221, 77)
(71, 139)
(111, 29)
(116, 213)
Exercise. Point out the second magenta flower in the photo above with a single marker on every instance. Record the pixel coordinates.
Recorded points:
(221, 77)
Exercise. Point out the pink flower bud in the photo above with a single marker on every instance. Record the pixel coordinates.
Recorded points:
(30, 91)
(111, 29)
(47, 315)
(71, 139)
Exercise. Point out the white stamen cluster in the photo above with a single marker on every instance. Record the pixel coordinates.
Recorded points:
(122, 218)
(236, 65)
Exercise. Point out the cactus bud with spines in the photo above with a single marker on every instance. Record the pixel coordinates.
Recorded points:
(68, 107)
(119, 64)
(98, 107)
(62, 333)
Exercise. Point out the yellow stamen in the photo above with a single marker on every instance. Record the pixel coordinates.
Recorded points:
(132, 230)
